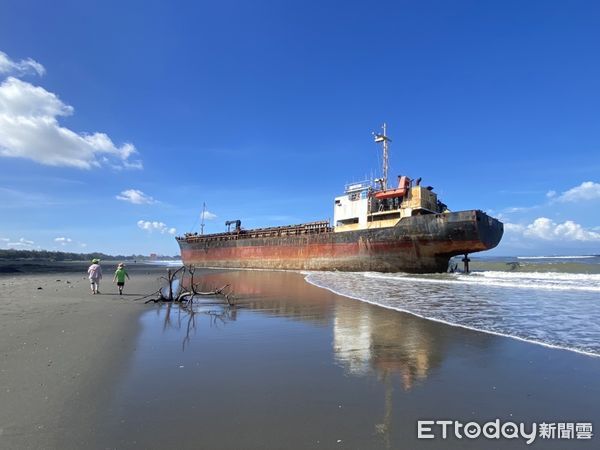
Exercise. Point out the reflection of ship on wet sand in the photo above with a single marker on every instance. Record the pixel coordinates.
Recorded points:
(375, 339)
(365, 337)
(399, 349)
(384, 341)
(279, 298)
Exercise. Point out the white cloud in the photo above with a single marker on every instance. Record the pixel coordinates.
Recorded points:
(63, 240)
(574, 231)
(25, 66)
(29, 128)
(548, 230)
(5, 239)
(588, 190)
(135, 196)
(20, 243)
(207, 215)
(156, 226)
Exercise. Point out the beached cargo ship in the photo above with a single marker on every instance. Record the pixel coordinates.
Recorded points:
(375, 228)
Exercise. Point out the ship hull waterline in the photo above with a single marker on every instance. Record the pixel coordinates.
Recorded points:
(418, 244)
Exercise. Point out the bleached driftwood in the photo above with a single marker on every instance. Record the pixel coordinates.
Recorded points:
(186, 296)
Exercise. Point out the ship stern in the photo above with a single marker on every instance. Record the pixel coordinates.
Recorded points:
(490, 230)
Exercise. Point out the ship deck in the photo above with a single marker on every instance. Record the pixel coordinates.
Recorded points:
(317, 227)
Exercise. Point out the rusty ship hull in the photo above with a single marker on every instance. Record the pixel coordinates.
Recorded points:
(417, 244)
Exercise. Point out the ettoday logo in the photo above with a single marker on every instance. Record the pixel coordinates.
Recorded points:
(432, 429)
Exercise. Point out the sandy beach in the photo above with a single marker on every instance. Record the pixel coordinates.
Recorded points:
(290, 366)
(61, 348)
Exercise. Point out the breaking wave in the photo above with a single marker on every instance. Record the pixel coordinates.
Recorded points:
(557, 257)
(167, 263)
(517, 280)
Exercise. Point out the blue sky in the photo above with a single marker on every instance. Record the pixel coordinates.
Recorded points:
(118, 120)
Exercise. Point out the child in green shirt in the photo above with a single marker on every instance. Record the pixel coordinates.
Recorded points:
(119, 277)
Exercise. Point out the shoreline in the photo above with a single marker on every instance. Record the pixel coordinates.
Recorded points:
(457, 325)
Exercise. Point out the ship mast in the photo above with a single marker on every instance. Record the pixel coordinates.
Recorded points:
(384, 141)
(202, 223)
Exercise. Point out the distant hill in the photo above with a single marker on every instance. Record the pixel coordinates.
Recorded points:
(13, 255)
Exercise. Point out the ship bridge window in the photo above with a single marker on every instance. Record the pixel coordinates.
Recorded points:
(347, 221)
(421, 212)
(379, 217)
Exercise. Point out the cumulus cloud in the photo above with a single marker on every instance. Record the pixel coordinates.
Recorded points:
(207, 215)
(588, 190)
(29, 128)
(545, 229)
(135, 196)
(20, 243)
(23, 67)
(63, 240)
(156, 226)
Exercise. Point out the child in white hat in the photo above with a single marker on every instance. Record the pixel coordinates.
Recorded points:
(95, 275)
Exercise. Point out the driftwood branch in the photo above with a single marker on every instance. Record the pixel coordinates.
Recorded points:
(215, 292)
(169, 294)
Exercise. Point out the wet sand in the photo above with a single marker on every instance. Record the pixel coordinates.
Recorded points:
(61, 348)
(291, 366)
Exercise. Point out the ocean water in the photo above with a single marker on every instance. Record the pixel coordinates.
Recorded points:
(547, 300)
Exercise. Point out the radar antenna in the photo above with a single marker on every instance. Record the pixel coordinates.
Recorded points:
(384, 141)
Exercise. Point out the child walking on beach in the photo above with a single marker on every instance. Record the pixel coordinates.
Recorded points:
(95, 274)
(119, 277)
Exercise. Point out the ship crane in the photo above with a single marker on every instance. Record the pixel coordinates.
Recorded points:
(384, 140)
(237, 223)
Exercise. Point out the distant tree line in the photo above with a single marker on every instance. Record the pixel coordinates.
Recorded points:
(47, 255)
